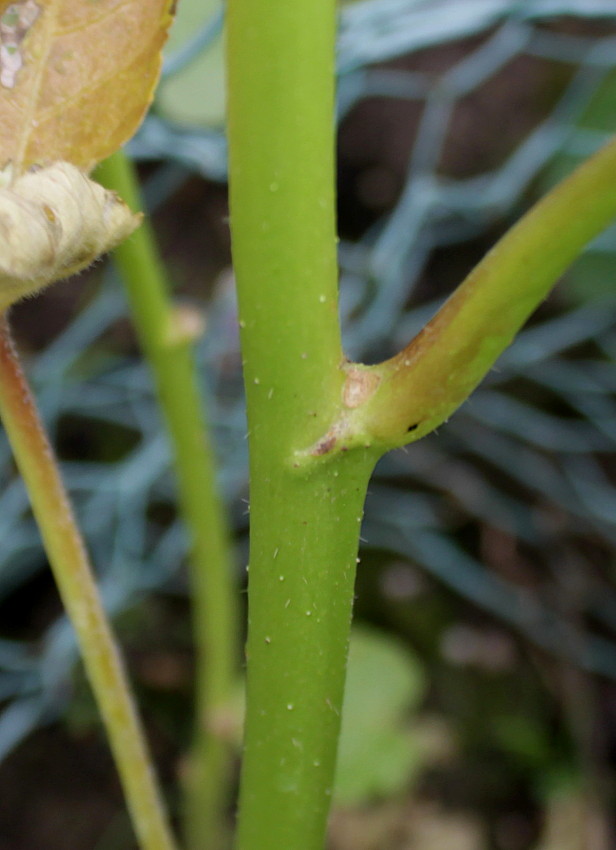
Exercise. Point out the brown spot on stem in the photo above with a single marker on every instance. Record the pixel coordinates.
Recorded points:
(325, 445)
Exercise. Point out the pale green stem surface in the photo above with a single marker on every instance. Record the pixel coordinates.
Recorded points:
(168, 346)
(73, 574)
(304, 522)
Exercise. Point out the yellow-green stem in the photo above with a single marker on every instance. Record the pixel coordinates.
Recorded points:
(69, 562)
(304, 522)
(168, 342)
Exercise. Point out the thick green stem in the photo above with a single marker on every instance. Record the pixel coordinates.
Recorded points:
(168, 346)
(302, 569)
(73, 574)
(304, 521)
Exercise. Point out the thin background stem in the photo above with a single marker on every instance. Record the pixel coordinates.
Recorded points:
(69, 562)
(169, 352)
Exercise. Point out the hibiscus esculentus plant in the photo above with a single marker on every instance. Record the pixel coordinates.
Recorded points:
(75, 80)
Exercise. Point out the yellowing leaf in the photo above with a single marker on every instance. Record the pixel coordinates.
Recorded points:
(76, 76)
(53, 222)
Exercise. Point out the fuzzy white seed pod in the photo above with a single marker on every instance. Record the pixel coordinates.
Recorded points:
(55, 221)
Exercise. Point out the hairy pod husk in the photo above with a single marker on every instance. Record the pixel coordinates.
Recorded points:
(55, 221)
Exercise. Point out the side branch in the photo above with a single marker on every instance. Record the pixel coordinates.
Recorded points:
(408, 396)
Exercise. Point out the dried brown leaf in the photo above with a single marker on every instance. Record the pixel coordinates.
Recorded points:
(76, 76)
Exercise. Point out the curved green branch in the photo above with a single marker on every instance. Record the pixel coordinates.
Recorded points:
(404, 398)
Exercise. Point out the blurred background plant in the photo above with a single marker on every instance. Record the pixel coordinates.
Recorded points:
(487, 572)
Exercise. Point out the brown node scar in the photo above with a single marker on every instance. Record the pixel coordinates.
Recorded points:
(359, 386)
(325, 445)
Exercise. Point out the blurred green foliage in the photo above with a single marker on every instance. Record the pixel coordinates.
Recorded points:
(379, 750)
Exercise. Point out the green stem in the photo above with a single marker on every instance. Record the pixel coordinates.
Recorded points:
(304, 521)
(302, 568)
(73, 574)
(168, 349)
(409, 395)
